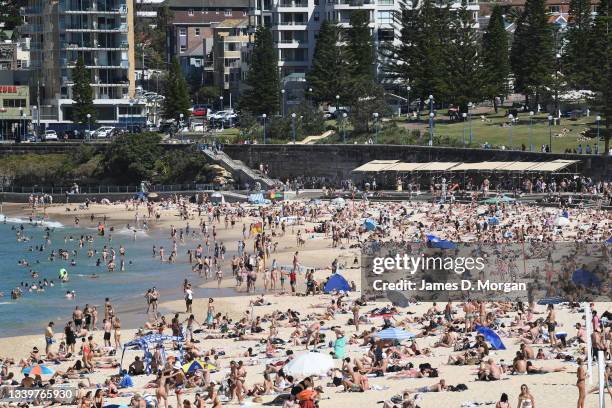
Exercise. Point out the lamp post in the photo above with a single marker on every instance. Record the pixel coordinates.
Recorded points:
(283, 103)
(131, 117)
(598, 118)
(530, 124)
(550, 123)
(310, 95)
(464, 115)
(180, 127)
(344, 115)
(293, 115)
(35, 109)
(23, 126)
(431, 126)
(221, 102)
(264, 116)
(470, 104)
(375, 115)
(20, 125)
(431, 103)
(558, 68)
(89, 126)
(337, 104)
(408, 89)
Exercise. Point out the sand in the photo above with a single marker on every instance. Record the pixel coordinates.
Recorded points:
(550, 390)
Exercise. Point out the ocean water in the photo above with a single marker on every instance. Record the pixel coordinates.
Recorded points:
(30, 313)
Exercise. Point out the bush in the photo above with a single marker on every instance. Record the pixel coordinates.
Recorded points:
(131, 158)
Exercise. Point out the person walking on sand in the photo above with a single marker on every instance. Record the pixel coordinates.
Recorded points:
(49, 337)
(525, 399)
(581, 383)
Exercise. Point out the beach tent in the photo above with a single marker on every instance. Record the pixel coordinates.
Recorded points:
(493, 221)
(148, 343)
(370, 224)
(609, 241)
(551, 300)
(258, 198)
(308, 364)
(337, 283)
(393, 333)
(498, 199)
(491, 337)
(38, 369)
(436, 242)
(561, 221)
(196, 365)
(585, 278)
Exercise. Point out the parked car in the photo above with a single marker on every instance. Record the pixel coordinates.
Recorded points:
(200, 110)
(103, 132)
(221, 114)
(50, 135)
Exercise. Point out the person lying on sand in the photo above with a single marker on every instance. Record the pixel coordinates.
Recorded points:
(437, 387)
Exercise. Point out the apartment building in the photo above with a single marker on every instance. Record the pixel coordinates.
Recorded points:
(231, 40)
(192, 35)
(99, 31)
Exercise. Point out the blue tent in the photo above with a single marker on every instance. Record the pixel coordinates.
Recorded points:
(437, 242)
(370, 224)
(491, 337)
(493, 221)
(585, 278)
(393, 333)
(551, 300)
(147, 343)
(336, 283)
(609, 241)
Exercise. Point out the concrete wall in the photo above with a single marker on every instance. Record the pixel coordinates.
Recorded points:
(337, 161)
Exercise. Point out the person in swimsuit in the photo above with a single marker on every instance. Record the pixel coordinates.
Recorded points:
(525, 399)
(503, 401)
(581, 383)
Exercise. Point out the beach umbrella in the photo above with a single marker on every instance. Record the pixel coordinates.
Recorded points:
(585, 278)
(308, 364)
(561, 221)
(551, 300)
(38, 369)
(493, 221)
(433, 238)
(153, 195)
(609, 241)
(196, 365)
(393, 333)
(491, 337)
(444, 244)
(338, 202)
(370, 224)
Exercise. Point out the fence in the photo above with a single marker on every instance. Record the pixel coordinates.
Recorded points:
(99, 189)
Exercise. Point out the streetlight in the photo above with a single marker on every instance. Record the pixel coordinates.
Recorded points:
(550, 122)
(511, 119)
(89, 126)
(35, 109)
(375, 116)
(264, 116)
(20, 125)
(344, 115)
(131, 117)
(408, 89)
(337, 103)
(310, 94)
(283, 102)
(431, 102)
(464, 115)
(530, 124)
(558, 68)
(180, 126)
(470, 104)
(431, 125)
(22, 133)
(221, 102)
(293, 115)
(598, 118)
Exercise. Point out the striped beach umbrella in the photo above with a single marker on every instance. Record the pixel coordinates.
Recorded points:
(393, 333)
(38, 369)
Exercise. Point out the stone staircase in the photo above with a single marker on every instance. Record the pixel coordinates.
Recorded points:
(240, 171)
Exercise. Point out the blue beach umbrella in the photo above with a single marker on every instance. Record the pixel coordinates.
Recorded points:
(370, 224)
(585, 278)
(38, 369)
(393, 333)
(491, 337)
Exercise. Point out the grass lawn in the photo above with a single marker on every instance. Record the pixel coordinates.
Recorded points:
(495, 131)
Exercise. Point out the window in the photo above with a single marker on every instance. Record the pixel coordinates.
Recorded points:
(182, 31)
(197, 32)
(554, 9)
(228, 12)
(14, 103)
(385, 17)
(316, 16)
(190, 12)
(385, 34)
(385, 2)
(183, 48)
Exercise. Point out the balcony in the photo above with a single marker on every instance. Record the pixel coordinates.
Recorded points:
(93, 9)
(292, 4)
(291, 23)
(72, 46)
(291, 43)
(355, 3)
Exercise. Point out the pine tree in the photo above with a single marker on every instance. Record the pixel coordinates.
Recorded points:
(328, 75)
(82, 94)
(600, 58)
(496, 65)
(360, 47)
(176, 93)
(465, 78)
(262, 95)
(577, 48)
(418, 59)
(532, 50)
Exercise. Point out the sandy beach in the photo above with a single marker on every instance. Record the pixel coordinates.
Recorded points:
(555, 389)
